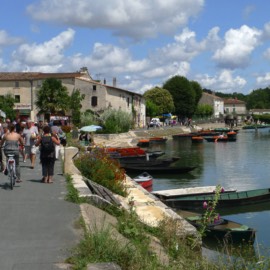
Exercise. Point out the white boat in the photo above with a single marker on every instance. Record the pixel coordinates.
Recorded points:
(170, 193)
(144, 179)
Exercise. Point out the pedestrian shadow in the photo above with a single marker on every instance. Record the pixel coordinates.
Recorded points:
(5, 186)
(35, 181)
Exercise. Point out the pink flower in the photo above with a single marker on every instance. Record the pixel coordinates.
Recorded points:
(205, 205)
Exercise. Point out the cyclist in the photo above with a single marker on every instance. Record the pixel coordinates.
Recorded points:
(11, 143)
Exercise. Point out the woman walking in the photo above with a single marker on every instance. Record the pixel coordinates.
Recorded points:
(47, 153)
(11, 142)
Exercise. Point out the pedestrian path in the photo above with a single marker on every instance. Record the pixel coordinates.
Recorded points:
(37, 225)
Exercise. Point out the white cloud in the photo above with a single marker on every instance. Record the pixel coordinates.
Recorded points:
(238, 46)
(264, 80)
(267, 54)
(223, 81)
(45, 55)
(135, 19)
(6, 40)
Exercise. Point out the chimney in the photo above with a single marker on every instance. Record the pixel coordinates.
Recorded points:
(114, 81)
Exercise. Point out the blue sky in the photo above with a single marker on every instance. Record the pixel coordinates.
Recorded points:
(224, 45)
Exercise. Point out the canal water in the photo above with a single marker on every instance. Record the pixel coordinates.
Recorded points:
(241, 165)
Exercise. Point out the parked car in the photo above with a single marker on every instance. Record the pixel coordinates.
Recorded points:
(155, 122)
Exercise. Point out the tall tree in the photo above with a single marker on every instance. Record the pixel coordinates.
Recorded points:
(161, 98)
(75, 106)
(7, 105)
(198, 91)
(183, 94)
(52, 97)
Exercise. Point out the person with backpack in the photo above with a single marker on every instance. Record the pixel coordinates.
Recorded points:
(47, 144)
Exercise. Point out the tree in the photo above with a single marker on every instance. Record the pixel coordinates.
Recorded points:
(204, 110)
(198, 91)
(52, 97)
(161, 98)
(151, 108)
(7, 105)
(183, 94)
(75, 106)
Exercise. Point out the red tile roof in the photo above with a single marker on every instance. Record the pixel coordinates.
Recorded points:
(22, 76)
(233, 101)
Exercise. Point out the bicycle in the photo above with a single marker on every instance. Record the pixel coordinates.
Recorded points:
(11, 168)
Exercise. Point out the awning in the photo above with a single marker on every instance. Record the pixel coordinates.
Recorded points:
(24, 112)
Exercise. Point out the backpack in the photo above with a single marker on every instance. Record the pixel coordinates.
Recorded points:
(47, 147)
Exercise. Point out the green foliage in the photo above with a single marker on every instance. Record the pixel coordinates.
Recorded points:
(73, 194)
(116, 121)
(75, 106)
(52, 97)
(259, 99)
(262, 118)
(183, 94)
(161, 98)
(151, 108)
(7, 105)
(89, 118)
(204, 110)
(100, 168)
(198, 91)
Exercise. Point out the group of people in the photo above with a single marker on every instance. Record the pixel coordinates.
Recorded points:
(26, 138)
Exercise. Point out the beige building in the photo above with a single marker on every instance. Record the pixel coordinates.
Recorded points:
(98, 96)
(216, 102)
(235, 106)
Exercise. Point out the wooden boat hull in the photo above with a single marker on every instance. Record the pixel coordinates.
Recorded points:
(226, 200)
(221, 139)
(158, 140)
(197, 139)
(158, 169)
(146, 163)
(223, 230)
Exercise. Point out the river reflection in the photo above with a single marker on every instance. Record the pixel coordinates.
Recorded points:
(241, 165)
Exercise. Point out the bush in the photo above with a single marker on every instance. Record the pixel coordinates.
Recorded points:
(100, 168)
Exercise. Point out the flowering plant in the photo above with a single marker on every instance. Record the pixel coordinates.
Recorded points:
(210, 216)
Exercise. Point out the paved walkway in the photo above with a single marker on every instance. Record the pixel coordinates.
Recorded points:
(37, 225)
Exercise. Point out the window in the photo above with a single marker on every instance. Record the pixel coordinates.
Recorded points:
(94, 87)
(17, 98)
(17, 85)
(94, 101)
(128, 101)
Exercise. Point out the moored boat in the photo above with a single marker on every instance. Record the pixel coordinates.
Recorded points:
(144, 179)
(222, 229)
(197, 139)
(158, 139)
(159, 169)
(182, 192)
(143, 143)
(226, 200)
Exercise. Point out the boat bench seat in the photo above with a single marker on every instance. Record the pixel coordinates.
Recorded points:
(242, 228)
(194, 218)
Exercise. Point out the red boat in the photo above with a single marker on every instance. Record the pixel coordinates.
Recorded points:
(197, 139)
(145, 180)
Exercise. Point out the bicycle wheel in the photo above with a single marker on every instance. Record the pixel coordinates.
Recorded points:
(11, 177)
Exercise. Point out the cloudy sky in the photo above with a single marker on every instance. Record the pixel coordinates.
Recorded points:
(224, 45)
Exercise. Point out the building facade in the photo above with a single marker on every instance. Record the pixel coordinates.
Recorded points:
(216, 102)
(98, 97)
(235, 106)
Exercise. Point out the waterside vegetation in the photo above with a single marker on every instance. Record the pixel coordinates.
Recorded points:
(99, 244)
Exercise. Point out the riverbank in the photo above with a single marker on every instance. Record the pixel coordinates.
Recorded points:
(132, 137)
